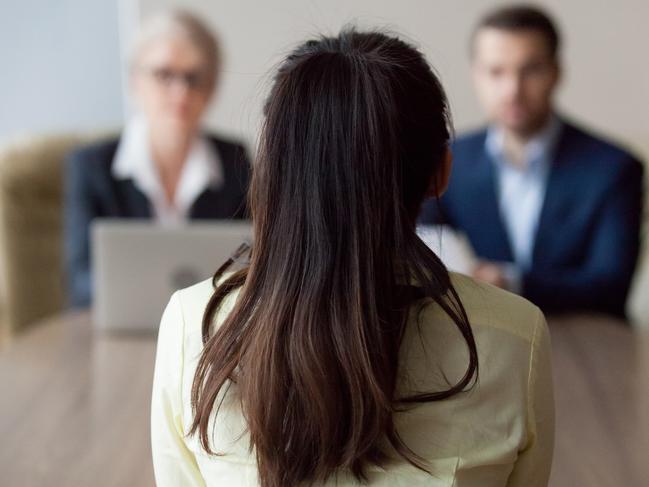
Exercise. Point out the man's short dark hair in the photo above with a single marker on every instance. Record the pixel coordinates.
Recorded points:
(518, 18)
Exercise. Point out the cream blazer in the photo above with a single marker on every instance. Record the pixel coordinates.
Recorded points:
(498, 433)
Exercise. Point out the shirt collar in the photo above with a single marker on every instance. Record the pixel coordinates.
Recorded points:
(202, 168)
(538, 149)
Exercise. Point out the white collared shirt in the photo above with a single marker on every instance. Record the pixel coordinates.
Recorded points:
(202, 169)
(521, 189)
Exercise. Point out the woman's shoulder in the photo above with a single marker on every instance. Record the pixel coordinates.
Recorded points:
(486, 306)
(512, 391)
(101, 151)
(182, 319)
(503, 325)
(193, 299)
(493, 307)
(193, 302)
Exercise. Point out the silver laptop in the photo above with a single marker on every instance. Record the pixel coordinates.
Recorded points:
(138, 264)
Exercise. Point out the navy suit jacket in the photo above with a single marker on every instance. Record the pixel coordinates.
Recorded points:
(93, 192)
(587, 242)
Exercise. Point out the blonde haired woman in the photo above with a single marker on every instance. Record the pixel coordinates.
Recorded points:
(163, 166)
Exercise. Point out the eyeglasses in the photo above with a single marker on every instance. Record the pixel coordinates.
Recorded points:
(191, 79)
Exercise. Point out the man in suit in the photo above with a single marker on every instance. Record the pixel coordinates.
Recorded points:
(552, 211)
(163, 166)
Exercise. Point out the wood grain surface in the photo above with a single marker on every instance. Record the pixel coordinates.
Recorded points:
(74, 405)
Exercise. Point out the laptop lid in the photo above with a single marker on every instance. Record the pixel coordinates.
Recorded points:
(138, 264)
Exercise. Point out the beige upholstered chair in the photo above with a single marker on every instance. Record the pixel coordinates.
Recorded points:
(31, 267)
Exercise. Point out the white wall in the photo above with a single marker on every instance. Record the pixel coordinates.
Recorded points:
(606, 80)
(63, 65)
(60, 66)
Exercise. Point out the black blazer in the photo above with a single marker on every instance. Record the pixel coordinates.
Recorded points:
(91, 191)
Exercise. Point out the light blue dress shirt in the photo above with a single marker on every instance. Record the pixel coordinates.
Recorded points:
(520, 189)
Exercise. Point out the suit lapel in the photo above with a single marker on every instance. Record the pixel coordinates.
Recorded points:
(228, 201)
(556, 201)
(132, 202)
(207, 205)
(484, 188)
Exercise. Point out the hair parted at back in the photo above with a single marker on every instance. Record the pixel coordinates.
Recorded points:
(356, 127)
(522, 17)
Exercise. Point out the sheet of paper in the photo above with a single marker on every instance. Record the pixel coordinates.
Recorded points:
(450, 246)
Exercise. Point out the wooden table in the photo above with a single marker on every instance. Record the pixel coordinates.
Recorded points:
(601, 375)
(74, 406)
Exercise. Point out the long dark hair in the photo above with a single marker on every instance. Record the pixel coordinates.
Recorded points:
(356, 127)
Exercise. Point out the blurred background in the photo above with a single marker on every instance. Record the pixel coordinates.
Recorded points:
(65, 79)
(66, 76)
(65, 61)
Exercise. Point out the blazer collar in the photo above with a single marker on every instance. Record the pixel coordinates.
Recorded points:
(483, 184)
(201, 171)
(558, 195)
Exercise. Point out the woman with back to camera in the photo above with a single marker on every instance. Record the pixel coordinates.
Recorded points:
(344, 352)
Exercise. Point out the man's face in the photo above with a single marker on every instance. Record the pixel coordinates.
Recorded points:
(515, 76)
